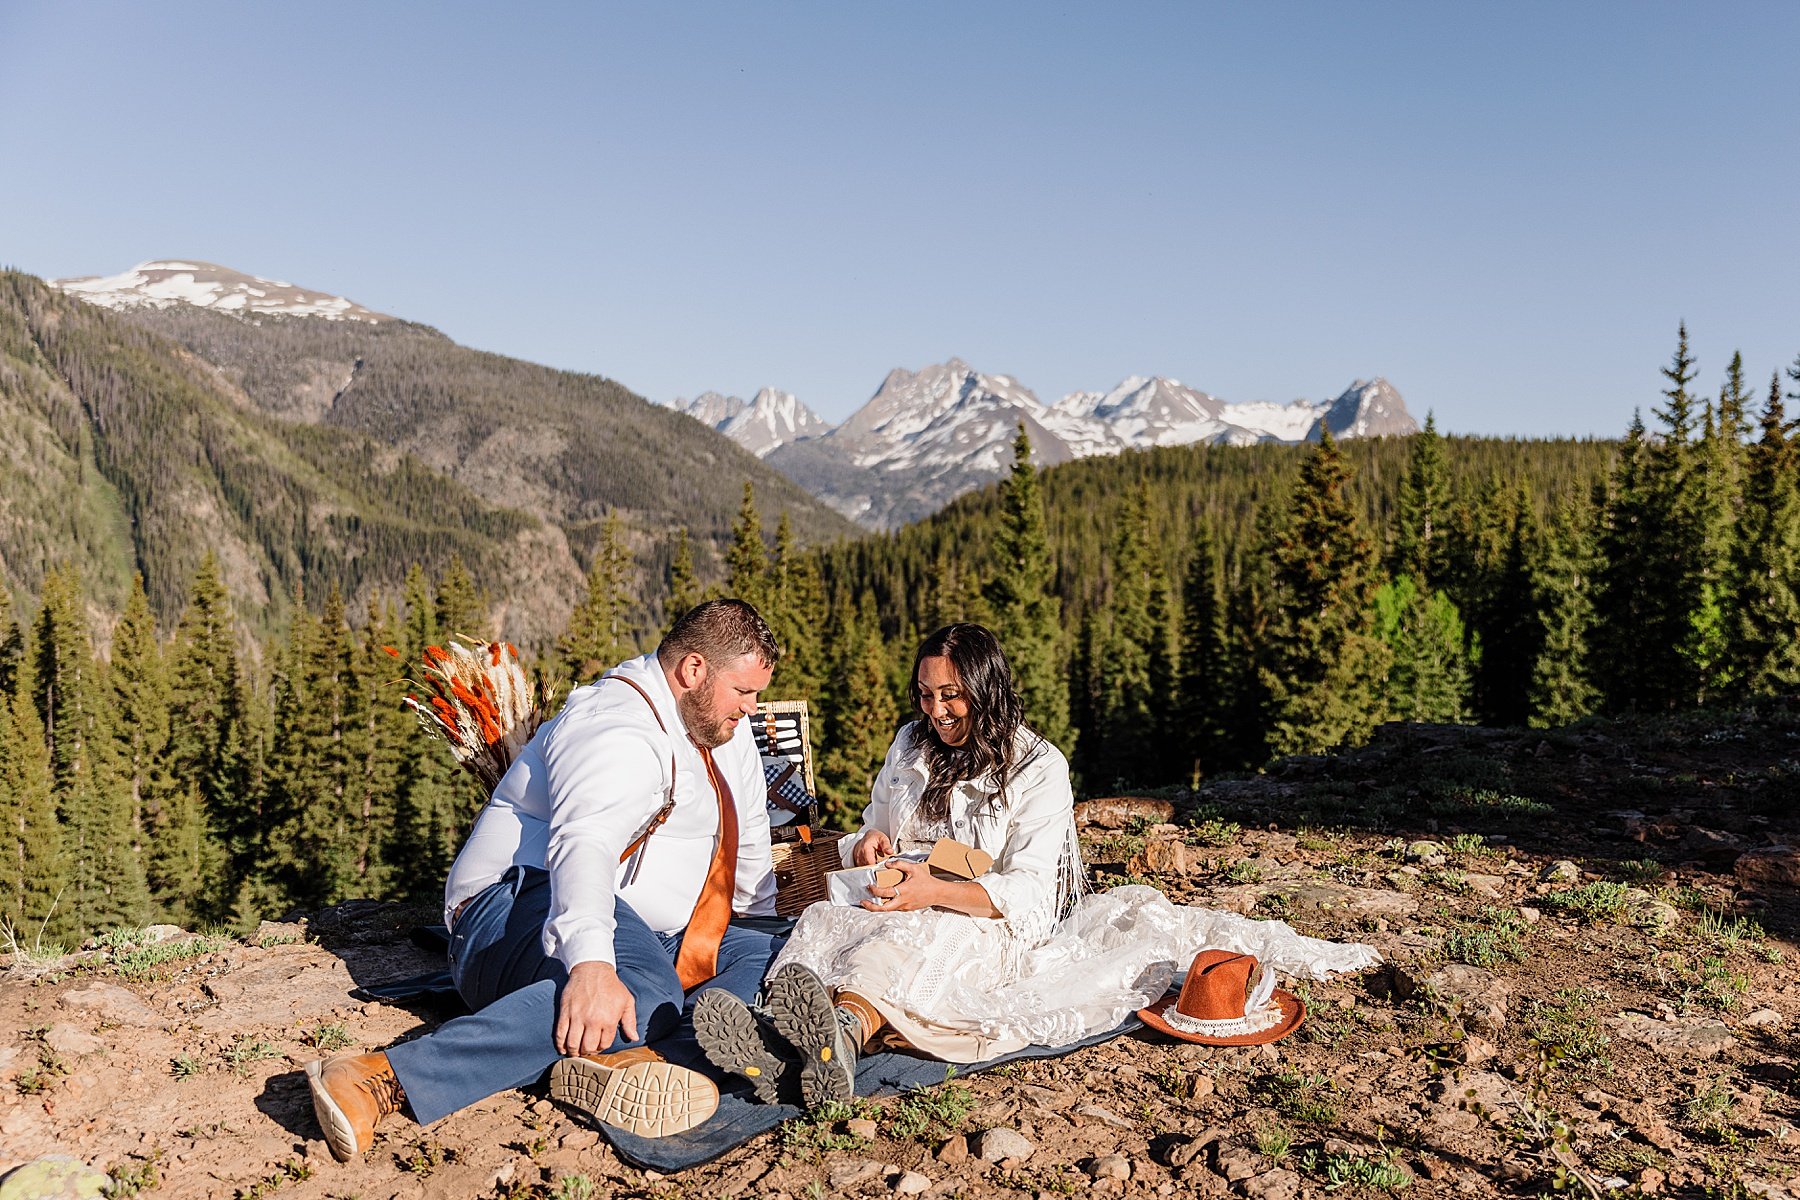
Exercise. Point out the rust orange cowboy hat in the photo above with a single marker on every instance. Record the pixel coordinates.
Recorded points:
(1228, 999)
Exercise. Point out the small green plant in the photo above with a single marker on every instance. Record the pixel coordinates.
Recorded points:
(1309, 1098)
(1273, 1141)
(1567, 1030)
(1212, 831)
(932, 1114)
(280, 937)
(575, 1187)
(1728, 933)
(1383, 1174)
(246, 1051)
(816, 1133)
(1711, 1106)
(1469, 844)
(1175, 1081)
(1492, 935)
(1599, 901)
(141, 960)
(186, 1066)
(1244, 870)
(34, 953)
(1639, 871)
(425, 1157)
(325, 1037)
(138, 1175)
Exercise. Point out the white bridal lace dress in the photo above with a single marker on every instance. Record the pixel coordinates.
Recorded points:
(968, 988)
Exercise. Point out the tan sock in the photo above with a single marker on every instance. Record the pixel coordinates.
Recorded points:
(867, 1017)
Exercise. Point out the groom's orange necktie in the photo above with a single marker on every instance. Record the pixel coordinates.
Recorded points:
(698, 959)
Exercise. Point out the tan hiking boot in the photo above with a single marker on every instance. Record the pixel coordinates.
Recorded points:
(350, 1095)
(636, 1090)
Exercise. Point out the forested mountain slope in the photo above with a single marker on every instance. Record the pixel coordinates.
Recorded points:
(311, 455)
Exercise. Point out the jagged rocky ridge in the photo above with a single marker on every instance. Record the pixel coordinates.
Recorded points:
(928, 436)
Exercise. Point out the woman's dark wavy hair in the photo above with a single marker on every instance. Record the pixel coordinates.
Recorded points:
(995, 714)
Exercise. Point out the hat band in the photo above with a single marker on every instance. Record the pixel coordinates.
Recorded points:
(1254, 1022)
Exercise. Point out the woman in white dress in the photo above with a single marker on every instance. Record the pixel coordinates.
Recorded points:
(965, 971)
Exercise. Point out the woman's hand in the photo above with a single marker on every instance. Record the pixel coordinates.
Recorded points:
(920, 889)
(871, 848)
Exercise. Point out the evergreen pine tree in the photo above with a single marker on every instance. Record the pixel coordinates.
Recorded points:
(796, 613)
(388, 729)
(1126, 711)
(1763, 652)
(1428, 675)
(1026, 612)
(34, 875)
(684, 582)
(461, 611)
(598, 637)
(1624, 663)
(216, 809)
(435, 800)
(106, 881)
(747, 561)
(12, 643)
(862, 717)
(1420, 549)
(1717, 495)
(1204, 684)
(1321, 667)
(1562, 584)
(1507, 627)
(138, 705)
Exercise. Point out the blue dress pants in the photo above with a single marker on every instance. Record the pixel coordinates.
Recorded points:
(498, 963)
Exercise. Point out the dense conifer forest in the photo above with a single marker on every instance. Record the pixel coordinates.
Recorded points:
(1170, 615)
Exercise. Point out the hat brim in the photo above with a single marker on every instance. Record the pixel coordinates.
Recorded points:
(1292, 1013)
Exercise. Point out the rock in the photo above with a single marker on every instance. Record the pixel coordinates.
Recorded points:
(1647, 912)
(1116, 812)
(1560, 871)
(1531, 915)
(1274, 1185)
(65, 1038)
(1474, 1051)
(1180, 1150)
(1678, 1037)
(1169, 858)
(1336, 897)
(277, 933)
(163, 933)
(1715, 849)
(995, 1144)
(1488, 887)
(1112, 1166)
(112, 1004)
(911, 1183)
(1514, 1171)
(54, 1177)
(1769, 867)
(853, 1173)
(1432, 854)
(1481, 1092)
(1106, 1116)
(1763, 1018)
(1471, 995)
(863, 1128)
(1236, 1162)
(954, 1152)
(1650, 1181)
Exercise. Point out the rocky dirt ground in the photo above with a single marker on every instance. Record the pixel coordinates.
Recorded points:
(1590, 936)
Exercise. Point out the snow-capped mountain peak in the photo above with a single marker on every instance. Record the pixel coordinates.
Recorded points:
(926, 436)
(164, 283)
(774, 418)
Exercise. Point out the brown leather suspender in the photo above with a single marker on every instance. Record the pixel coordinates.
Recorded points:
(669, 802)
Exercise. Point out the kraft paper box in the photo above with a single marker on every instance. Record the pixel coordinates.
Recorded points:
(949, 859)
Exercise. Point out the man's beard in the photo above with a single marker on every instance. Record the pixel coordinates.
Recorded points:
(704, 726)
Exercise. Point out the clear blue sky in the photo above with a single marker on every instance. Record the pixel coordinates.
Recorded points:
(1504, 209)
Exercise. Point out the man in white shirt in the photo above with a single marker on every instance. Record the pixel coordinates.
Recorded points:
(588, 909)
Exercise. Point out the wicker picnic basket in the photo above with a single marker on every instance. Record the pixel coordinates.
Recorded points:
(800, 867)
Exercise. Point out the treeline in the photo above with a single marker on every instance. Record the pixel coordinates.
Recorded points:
(1205, 608)
(1181, 612)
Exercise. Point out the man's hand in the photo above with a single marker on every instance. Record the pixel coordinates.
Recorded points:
(596, 1004)
(871, 848)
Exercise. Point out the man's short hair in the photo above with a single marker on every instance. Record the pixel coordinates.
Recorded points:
(720, 631)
